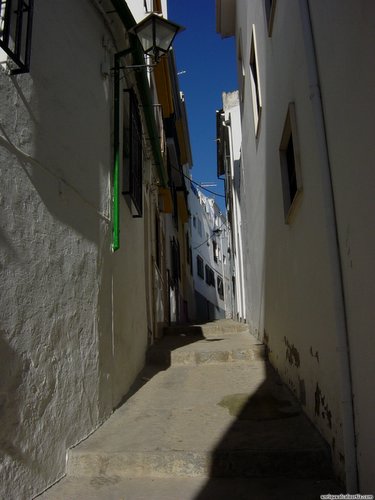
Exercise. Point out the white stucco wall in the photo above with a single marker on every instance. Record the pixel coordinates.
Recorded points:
(349, 107)
(290, 286)
(73, 332)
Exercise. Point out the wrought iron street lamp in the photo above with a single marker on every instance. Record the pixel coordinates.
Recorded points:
(156, 35)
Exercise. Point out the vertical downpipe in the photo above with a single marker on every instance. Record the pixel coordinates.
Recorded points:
(351, 474)
(116, 160)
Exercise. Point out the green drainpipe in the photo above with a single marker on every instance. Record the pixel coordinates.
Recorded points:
(144, 92)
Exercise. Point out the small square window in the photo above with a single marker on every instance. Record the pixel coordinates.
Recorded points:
(200, 227)
(255, 84)
(241, 67)
(200, 268)
(290, 165)
(220, 287)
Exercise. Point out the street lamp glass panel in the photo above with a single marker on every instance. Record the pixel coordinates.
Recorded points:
(145, 34)
(156, 34)
(164, 35)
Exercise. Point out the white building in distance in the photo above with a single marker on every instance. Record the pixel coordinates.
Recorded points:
(211, 257)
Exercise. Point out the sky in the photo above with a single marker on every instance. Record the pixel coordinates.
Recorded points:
(210, 65)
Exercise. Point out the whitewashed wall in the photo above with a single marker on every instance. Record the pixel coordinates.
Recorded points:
(349, 107)
(73, 331)
(290, 287)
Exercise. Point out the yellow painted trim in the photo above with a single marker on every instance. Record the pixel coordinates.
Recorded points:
(182, 207)
(164, 87)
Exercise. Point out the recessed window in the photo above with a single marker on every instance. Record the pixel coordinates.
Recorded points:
(133, 160)
(210, 276)
(199, 227)
(220, 287)
(215, 250)
(200, 268)
(241, 67)
(15, 33)
(255, 85)
(270, 6)
(290, 165)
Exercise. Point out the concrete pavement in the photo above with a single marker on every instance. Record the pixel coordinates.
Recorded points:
(213, 422)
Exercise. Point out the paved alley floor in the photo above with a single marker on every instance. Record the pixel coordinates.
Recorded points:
(210, 420)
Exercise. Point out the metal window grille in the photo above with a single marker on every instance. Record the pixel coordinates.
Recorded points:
(133, 156)
(15, 32)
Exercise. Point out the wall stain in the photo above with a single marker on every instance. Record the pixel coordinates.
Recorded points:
(292, 354)
(321, 407)
(314, 355)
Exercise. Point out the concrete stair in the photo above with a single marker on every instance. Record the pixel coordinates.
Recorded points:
(213, 418)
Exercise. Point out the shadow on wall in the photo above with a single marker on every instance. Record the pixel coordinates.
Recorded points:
(13, 371)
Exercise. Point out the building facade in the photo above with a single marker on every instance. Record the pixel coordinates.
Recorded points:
(307, 204)
(211, 258)
(85, 188)
(228, 138)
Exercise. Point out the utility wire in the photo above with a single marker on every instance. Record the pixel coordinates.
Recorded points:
(197, 183)
(210, 237)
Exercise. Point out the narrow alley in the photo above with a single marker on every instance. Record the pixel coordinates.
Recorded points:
(187, 242)
(212, 421)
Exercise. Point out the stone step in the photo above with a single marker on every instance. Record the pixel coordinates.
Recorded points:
(312, 464)
(217, 411)
(107, 488)
(165, 355)
(214, 328)
(219, 342)
(209, 421)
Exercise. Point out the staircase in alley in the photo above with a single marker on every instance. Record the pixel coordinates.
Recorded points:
(208, 420)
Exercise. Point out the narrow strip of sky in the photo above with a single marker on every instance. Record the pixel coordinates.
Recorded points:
(207, 67)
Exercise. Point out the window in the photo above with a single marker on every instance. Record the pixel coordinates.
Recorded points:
(241, 75)
(132, 186)
(200, 270)
(220, 287)
(15, 32)
(210, 276)
(270, 14)
(199, 227)
(290, 165)
(255, 87)
(194, 221)
(214, 250)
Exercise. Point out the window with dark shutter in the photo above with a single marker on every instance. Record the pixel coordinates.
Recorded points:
(15, 33)
(132, 186)
(200, 269)
(290, 165)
